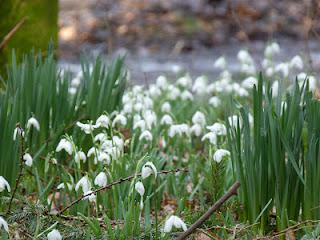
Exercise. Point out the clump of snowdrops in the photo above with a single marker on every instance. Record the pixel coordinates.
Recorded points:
(145, 169)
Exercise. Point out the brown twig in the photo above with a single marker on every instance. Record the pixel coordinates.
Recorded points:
(7, 38)
(21, 133)
(232, 191)
(121, 180)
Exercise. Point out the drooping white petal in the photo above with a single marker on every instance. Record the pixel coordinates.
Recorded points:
(174, 221)
(139, 188)
(80, 156)
(218, 128)
(84, 183)
(28, 159)
(101, 180)
(148, 169)
(146, 135)
(4, 184)
(66, 145)
(54, 235)
(220, 154)
(32, 122)
(103, 121)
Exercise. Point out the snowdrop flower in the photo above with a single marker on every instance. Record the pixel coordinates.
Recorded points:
(140, 124)
(54, 235)
(162, 82)
(196, 129)
(28, 159)
(86, 127)
(211, 136)
(241, 92)
(244, 57)
(283, 68)
(90, 196)
(146, 135)
(4, 224)
(150, 117)
(101, 137)
(186, 95)
(185, 81)
(103, 121)
(233, 121)
(140, 189)
(66, 145)
(174, 93)
(147, 169)
(271, 49)
(178, 129)
(220, 63)
(91, 151)
(310, 79)
(154, 91)
(275, 88)
(166, 107)
(296, 62)
(270, 71)
(103, 157)
(218, 128)
(220, 154)
(200, 85)
(32, 122)
(199, 118)
(166, 120)
(17, 132)
(84, 183)
(101, 180)
(249, 82)
(138, 106)
(4, 184)
(80, 156)
(119, 119)
(62, 186)
(174, 221)
(215, 101)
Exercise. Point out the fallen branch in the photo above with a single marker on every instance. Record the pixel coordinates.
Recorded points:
(121, 180)
(232, 191)
(7, 38)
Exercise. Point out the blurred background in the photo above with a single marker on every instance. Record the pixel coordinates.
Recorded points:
(163, 36)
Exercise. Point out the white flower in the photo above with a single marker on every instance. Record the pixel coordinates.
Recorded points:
(80, 156)
(249, 82)
(220, 63)
(178, 129)
(272, 49)
(54, 235)
(200, 85)
(17, 132)
(283, 68)
(196, 129)
(101, 137)
(139, 188)
(186, 95)
(150, 117)
(173, 93)
(199, 118)
(86, 127)
(215, 101)
(211, 136)
(140, 124)
(62, 186)
(103, 121)
(244, 57)
(174, 221)
(91, 196)
(162, 82)
(65, 145)
(275, 88)
(84, 183)
(28, 159)
(166, 120)
(296, 62)
(4, 184)
(103, 157)
(218, 128)
(101, 180)
(154, 91)
(185, 81)
(91, 151)
(119, 119)
(147, 169)
(33, 122)
(146, 135)
(4, 224)
(220, 154)
(166, 107)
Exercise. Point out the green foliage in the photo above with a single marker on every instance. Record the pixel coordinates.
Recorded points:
(36, 87)
(275, 157)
